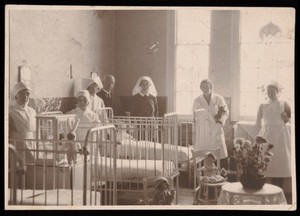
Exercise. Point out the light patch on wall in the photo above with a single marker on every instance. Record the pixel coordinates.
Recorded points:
(99, 14)
(25, 74)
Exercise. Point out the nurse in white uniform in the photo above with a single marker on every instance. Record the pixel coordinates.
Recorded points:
(217, 113)
(22, 122)
(272, 117)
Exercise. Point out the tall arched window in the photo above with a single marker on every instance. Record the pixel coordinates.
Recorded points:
(267, 53)
(192, 55)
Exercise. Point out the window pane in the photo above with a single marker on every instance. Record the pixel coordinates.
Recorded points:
(286, 77)
(251, 54)
(264, 56)
(266, 74)
(198, 75)
(184, 79)
(192, 55)
(252, 20)
(249, 79)
(184, 102)
(193, 26)
(248, 104)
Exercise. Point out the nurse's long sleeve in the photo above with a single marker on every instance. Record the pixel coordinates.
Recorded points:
(11, 126)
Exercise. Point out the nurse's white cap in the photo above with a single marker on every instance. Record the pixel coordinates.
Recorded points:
(84, 93)
(274, 84)
(90, 81)
(19, 87)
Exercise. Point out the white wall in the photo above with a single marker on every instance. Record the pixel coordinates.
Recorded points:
(50, 41)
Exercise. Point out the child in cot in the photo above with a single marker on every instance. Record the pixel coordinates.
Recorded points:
(211, 173)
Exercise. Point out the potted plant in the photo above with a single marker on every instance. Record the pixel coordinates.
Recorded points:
(252, 160)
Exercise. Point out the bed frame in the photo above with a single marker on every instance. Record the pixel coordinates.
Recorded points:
(98, 174)
(184, 135)
(52, 178)
(150, 146)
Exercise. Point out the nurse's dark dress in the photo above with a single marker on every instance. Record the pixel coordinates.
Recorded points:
(144, 106)
(106, 97)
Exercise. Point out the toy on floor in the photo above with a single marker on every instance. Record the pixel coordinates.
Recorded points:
(162, 195)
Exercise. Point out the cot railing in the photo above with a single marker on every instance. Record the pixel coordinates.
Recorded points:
(145, 147)
(47, 169)
(102, 166)
(15, 171)
(105, 113)
(170, 123)
(54, 173)
(159, 136)
(154, 142)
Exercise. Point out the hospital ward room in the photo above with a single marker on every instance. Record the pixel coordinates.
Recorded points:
(149, 108)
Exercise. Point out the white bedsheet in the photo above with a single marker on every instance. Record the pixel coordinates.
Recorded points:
(151, 150)
(132, 169)
(141, 149)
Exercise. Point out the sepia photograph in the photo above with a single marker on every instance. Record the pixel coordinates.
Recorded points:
(115, 107)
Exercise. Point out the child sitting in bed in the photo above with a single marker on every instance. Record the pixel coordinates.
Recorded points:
(211, 173)
(163, 195)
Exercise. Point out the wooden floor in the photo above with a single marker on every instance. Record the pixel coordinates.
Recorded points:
(185, 197)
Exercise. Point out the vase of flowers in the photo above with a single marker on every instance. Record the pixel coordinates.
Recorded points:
(252, 160)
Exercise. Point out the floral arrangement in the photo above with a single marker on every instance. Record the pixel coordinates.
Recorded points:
(253, 158)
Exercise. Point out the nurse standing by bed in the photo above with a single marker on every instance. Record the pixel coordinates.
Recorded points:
(217, 112)
(22, 123)
(144, 102)
(272, 117)
(83, 112)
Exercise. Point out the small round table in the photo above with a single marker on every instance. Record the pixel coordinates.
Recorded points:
(235, 194)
